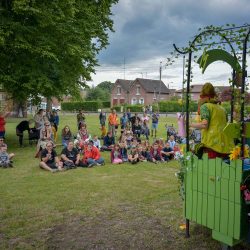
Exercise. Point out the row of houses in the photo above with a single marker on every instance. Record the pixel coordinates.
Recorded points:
(148, 91)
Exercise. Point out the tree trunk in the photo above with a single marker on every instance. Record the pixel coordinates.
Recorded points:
(20, 109)
(49, 105)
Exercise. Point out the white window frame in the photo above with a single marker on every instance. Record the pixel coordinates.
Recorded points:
(119, 90)
(133, 101)
(138, 89)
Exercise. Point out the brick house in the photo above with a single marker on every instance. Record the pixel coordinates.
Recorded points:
(138, 91)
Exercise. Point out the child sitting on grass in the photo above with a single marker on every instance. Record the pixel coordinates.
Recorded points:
(96, 142)
(4, 157)
(116, 157)
(133, 156)
(167, 152)
(171, 141)
(143, 155)
(155, 154)
(124, 151)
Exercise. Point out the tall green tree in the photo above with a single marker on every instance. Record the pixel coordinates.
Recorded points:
(97, 94)
(106, 85)
(45, 46)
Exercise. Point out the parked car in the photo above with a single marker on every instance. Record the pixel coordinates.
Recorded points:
(57, 108)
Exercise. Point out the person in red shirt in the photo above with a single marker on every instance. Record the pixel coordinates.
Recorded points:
(3, 122)
(92, 156)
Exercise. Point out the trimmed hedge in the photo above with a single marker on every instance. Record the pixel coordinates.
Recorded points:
(175, 106)
(133, 108)
(86, 105)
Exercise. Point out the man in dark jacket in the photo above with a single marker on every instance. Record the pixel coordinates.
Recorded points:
(21, 127)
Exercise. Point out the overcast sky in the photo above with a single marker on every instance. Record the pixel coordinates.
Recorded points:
(145, 31)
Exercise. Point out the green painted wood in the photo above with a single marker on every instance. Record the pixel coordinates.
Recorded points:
(199, 208)
(200, 181)
(224, 238)
(205, 183)
(224, 189)
(204, 210)
(188, 204)
(194, 209)
(224, 216)
(231, 188)
(205, 163)
(237, 193)
(225, 170)
(200, 166)
(218, 187)
(231, 219)
(217, 214)
(238, 175)
(195, 178)
(211, 184)
(210, 212)
(237, 221)
(189, 180)
(211, 167)
(218, 167)
(232, 171)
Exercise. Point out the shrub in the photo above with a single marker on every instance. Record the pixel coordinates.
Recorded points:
(85, 105)
(176, 106)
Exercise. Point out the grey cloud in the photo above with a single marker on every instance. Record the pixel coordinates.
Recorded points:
(146, 29)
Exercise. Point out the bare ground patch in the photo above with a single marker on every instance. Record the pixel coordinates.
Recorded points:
(123, 229)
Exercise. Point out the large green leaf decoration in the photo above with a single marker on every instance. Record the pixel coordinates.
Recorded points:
(213, 55)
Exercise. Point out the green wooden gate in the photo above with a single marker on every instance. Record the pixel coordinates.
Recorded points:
(213, 197)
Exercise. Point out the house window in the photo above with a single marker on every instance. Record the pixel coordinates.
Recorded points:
(154, 98)
(134, 101)
(118, 90)
(137, 90)
(115, 102)
(141, 101)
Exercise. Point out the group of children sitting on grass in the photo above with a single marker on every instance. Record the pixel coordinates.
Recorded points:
(142, 151)
(85, 151)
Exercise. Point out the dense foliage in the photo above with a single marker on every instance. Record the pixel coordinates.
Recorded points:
(86, 105)
(45, 46)
(101, 92)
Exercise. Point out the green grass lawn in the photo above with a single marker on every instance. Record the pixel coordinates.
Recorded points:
(109, 207)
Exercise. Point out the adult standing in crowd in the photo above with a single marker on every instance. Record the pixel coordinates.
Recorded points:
(39, 120)
(135, 118)
(21, 127)
(112, 119)
(54, 118)
(102, 118)
(155, 121)
(145, 125)
(128, 115)
(123, 122)
(80, 119)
